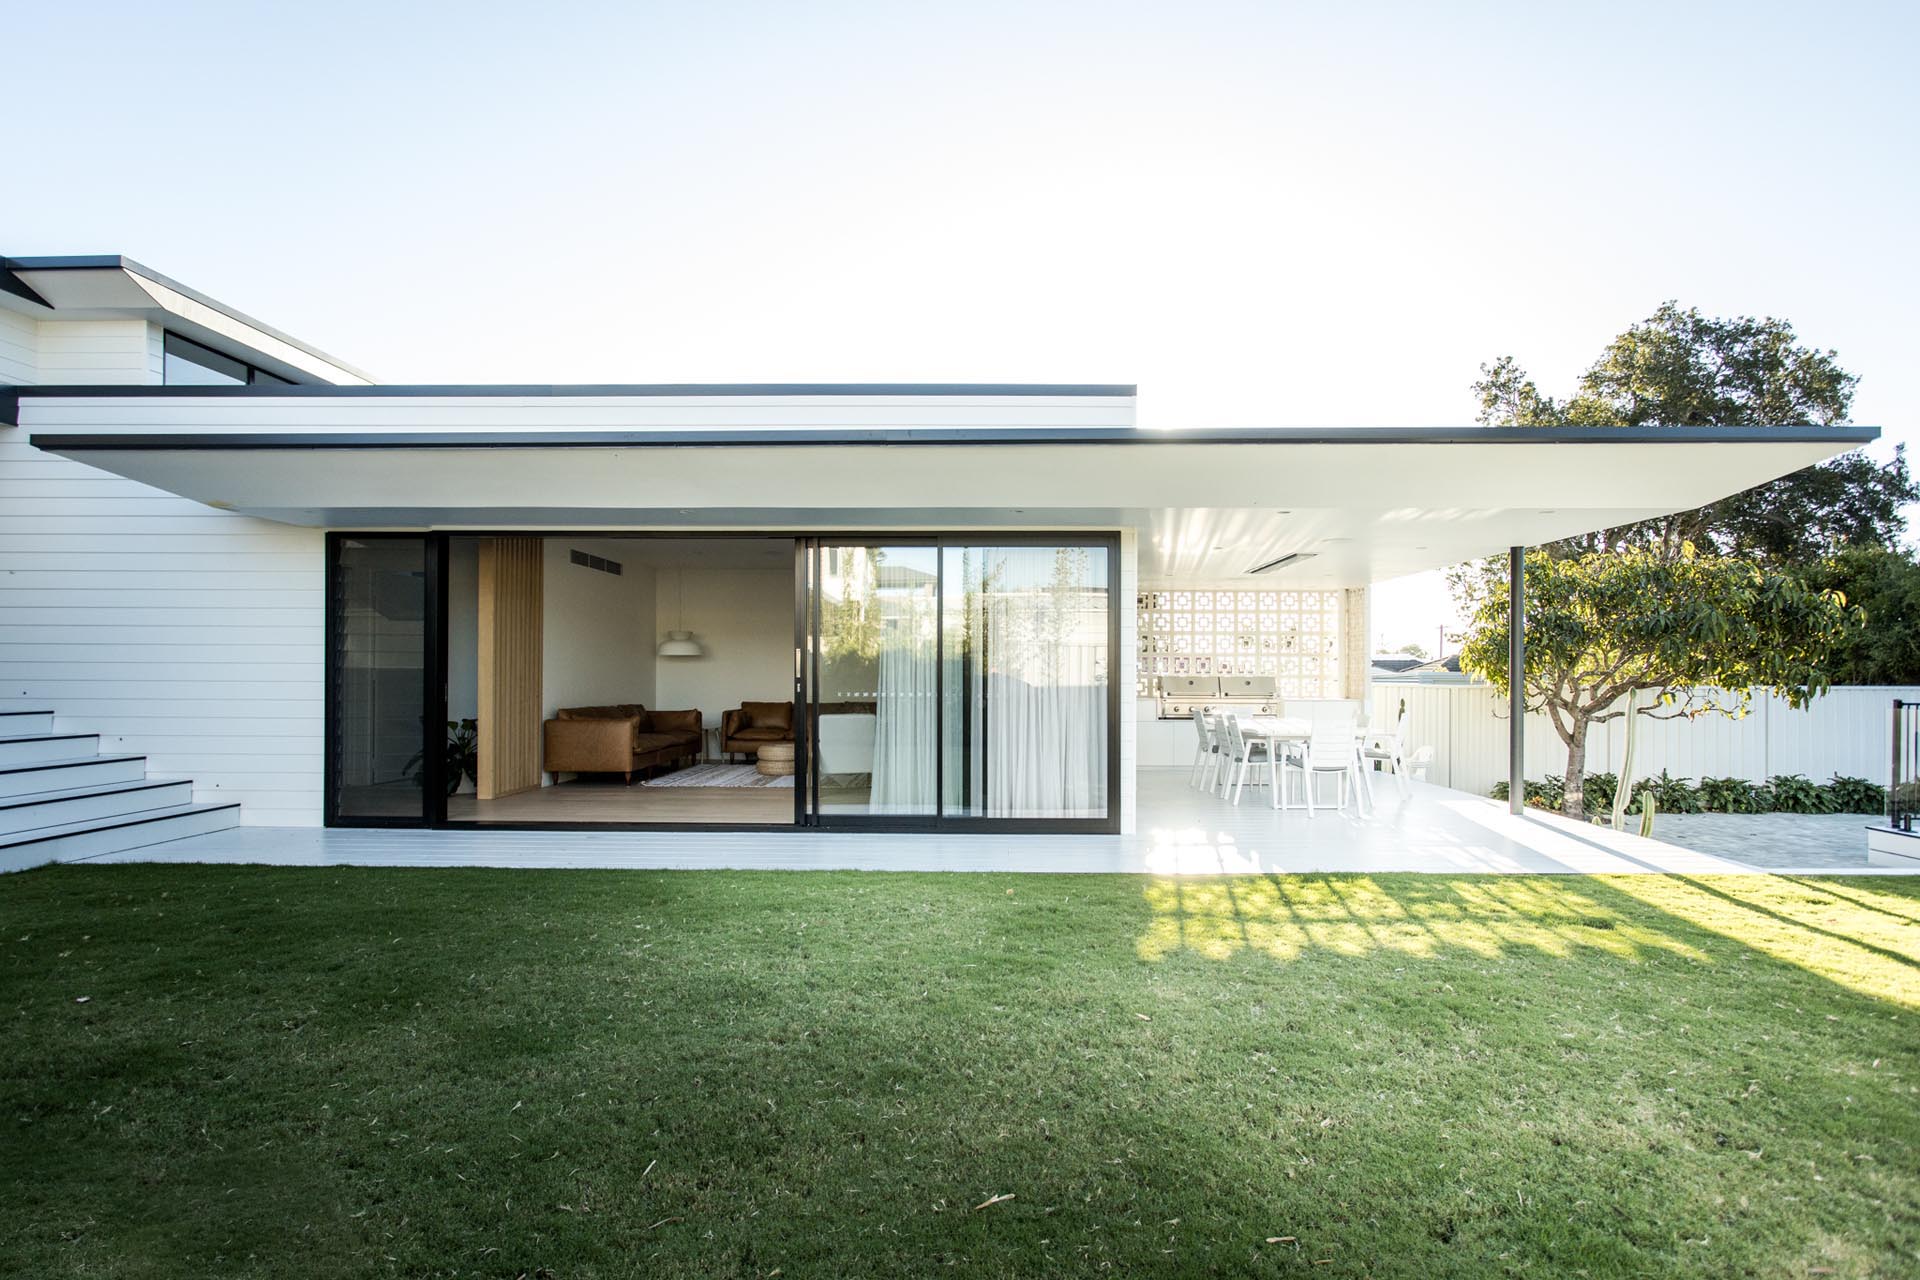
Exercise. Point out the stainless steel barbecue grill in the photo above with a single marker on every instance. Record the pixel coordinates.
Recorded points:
(1244, 695)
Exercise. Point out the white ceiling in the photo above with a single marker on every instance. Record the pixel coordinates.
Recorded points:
(1204, 511)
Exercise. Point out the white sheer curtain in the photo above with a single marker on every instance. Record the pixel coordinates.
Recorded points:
(906, 709)
(1037, 634)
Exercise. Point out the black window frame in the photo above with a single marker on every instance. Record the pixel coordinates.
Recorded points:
(200, 354)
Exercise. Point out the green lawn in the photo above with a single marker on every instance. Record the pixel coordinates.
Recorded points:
(491, 1073)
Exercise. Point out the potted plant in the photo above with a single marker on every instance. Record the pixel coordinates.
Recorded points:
(461, 758)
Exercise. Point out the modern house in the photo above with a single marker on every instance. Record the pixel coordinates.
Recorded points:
(243, 582)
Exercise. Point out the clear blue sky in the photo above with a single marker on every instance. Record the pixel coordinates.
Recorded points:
(1270, 213)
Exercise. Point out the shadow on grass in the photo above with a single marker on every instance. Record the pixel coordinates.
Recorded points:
(1864, 946)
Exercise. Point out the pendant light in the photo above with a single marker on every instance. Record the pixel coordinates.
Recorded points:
(680, 644)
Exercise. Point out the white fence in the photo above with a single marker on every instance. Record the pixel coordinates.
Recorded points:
(1844, 732)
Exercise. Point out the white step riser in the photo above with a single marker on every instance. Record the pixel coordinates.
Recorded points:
(40, 750)
(19, 725)
(91, 844)
(83, 773)
(118, 804)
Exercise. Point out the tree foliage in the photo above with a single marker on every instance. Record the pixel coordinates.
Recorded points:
(1885, 585)
(1680, 368)
(1681, 634)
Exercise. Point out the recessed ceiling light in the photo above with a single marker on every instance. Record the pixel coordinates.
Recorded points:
(1550, 511)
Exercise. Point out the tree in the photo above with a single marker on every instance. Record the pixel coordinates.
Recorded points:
(1680, 368)
(1885, 585)
(1664, 636)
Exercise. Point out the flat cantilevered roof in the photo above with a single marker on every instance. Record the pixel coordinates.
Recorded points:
(1359, 504)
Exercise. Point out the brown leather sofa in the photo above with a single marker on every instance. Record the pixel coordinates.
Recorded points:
(622, 739)
(752, 725)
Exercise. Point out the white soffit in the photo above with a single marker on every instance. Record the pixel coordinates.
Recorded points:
(1365, 506)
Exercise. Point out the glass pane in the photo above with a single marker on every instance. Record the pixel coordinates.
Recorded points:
(1026, 671)
(878, 677)
(379, 609)
(188, 364)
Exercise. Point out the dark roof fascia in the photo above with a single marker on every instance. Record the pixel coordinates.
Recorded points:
(113, 261)
(815, 437)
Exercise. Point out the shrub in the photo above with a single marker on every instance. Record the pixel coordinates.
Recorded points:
(1783, 793)
(1796, 793)
(1856, 795)
(1673, 795)
(1542, 793)
(1732, 795)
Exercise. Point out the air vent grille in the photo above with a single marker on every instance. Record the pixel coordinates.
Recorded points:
(600, 563)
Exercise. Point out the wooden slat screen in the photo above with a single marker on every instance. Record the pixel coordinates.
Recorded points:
(510, 637)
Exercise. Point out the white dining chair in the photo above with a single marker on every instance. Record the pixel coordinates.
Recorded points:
(1387, 747)
(1419, 760)
(1205, 752)
(1330, 750)
(1242, 754)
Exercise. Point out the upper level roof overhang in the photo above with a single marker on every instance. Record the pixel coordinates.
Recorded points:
(111, 286)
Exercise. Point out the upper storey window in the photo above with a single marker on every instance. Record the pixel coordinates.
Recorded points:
(188, 364)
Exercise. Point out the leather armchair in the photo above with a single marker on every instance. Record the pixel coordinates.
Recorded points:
(752, 725)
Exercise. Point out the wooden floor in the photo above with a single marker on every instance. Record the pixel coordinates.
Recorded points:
(597, 801)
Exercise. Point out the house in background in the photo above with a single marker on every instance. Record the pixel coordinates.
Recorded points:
(244, 583)
(1415, 671)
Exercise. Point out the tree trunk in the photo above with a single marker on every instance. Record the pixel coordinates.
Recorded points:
(1572, 801)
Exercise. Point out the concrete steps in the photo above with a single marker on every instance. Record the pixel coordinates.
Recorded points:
(61, 800)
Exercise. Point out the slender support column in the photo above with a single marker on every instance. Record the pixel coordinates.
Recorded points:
(1516, 679)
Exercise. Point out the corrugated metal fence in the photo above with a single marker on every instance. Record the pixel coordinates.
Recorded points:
(1843, 733)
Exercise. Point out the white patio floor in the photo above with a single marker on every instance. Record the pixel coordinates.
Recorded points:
(1182, 832)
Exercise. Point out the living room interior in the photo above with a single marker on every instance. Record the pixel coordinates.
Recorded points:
(616, 679)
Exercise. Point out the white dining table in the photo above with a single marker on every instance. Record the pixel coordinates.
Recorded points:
(1274, 730)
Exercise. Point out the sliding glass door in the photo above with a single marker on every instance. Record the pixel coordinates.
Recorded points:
(957, 681)
(382, 682)
(1025, 728)
(876, 680)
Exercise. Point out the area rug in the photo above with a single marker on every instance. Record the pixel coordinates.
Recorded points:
(718, 775)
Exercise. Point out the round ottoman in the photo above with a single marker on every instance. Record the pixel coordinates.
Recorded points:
(775, 760)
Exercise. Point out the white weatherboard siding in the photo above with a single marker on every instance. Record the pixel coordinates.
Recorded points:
(175, 631)
(383, 414)
(98, 353)
(1844, 732)
(19, 348)
(188, 635)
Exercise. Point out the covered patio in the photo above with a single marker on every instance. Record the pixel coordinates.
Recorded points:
(1182, 831)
